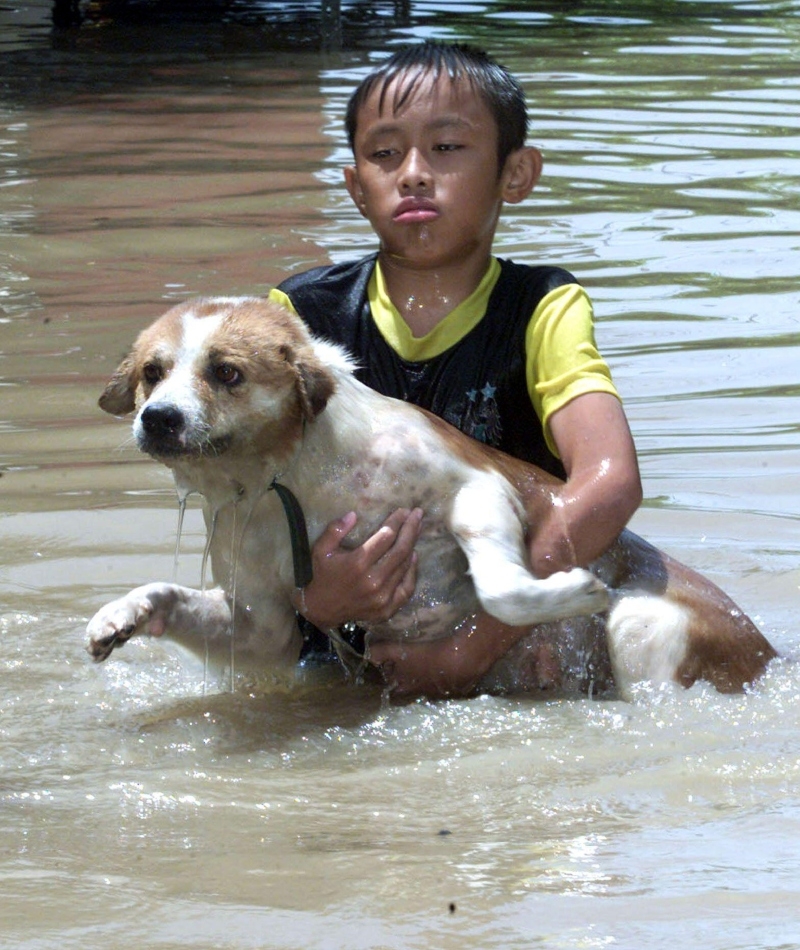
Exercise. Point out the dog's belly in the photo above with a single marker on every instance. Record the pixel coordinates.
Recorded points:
(444, 595)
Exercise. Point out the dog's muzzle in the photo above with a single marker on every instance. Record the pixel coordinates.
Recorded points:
(165, 431)
(163, 422)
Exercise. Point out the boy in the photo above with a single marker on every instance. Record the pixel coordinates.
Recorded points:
(503, 351)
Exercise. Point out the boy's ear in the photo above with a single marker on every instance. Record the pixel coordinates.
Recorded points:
(354, 188)
(522, 170)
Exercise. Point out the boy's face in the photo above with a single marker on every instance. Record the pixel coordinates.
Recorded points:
(426, 176)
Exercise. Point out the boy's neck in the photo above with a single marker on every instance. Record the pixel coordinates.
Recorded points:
(424, 297)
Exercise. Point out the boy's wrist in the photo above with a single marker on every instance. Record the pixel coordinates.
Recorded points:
(323, 617)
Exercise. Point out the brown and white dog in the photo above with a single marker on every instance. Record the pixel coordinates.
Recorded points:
(233, 393)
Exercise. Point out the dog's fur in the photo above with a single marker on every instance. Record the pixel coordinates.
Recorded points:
(231, 393)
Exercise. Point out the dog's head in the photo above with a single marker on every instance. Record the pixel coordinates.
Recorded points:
(218, 375)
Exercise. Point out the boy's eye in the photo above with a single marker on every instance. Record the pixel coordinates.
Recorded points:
(447, 147)
(381, 153)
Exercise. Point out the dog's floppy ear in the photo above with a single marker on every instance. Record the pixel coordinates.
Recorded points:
(119, 396)
(316, 388)
(315, 382)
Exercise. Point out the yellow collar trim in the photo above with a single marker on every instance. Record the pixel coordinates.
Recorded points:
(450, 329)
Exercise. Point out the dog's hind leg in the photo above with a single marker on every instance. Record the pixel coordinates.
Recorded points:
(696, 633)
(194, 618)
(486, 519)
(648, 640)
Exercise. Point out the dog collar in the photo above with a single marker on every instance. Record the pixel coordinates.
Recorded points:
(298, 533)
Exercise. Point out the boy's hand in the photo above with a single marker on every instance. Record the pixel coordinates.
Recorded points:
(368, 583)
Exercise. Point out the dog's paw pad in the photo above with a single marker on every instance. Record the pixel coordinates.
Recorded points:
(101, 648)
(113, 625)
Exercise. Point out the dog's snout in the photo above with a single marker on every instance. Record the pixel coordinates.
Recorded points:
(162, 420)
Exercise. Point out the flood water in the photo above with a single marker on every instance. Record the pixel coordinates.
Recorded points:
(142, 164)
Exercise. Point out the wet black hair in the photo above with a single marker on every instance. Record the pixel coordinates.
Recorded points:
(499, 89)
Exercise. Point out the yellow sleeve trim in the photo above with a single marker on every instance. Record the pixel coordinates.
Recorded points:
(562, 357)
(452, 328)
(279, 297)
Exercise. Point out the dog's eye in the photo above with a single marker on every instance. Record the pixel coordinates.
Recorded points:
(152, 373)
(227, 374)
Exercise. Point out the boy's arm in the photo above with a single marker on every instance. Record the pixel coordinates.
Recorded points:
(447, 668)
(603, 487)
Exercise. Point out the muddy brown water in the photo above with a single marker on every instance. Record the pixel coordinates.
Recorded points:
(137, 809)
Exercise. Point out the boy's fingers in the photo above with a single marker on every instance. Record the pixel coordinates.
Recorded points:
(393, 543)
(370, 582)
(408, 583)
(409, 531)
(331, 538)
(393, 590)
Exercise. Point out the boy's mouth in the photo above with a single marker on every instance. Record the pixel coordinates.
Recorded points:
(415, 211)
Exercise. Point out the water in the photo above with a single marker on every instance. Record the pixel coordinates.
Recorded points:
(138, 167)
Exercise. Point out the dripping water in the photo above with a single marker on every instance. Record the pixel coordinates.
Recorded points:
(233, 560)
(182, 496)
(203, 579)
(237, 542)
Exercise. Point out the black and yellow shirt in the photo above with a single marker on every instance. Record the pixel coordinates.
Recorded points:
(497, 367)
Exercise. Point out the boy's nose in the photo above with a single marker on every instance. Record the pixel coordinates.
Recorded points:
(415, 173)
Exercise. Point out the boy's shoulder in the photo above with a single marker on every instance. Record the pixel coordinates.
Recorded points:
(330, 278)
(330, 298)
(545, 276)
(520, 288)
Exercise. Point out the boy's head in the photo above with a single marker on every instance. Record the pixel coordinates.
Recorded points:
(403, 73)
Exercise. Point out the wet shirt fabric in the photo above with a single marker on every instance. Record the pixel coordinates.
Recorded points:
(516, 350)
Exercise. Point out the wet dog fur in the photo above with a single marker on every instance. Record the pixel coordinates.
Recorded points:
(232, 393)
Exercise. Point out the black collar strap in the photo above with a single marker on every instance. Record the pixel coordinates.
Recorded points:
(301, 549)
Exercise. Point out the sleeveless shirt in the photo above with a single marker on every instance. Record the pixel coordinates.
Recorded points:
(478, 384)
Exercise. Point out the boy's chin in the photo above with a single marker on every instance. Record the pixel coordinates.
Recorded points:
(425, 257)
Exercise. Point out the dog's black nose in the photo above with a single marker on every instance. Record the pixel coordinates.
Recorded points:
(159, 422)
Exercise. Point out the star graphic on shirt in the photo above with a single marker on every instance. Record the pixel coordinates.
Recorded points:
(488, 391)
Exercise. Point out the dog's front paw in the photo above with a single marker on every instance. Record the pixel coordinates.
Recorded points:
(584, 593)
(113, 625)
(527, 600)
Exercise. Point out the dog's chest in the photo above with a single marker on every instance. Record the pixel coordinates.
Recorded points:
(397, 470)
(395, 467)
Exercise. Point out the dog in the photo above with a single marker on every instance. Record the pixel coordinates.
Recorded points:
(247, 408)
